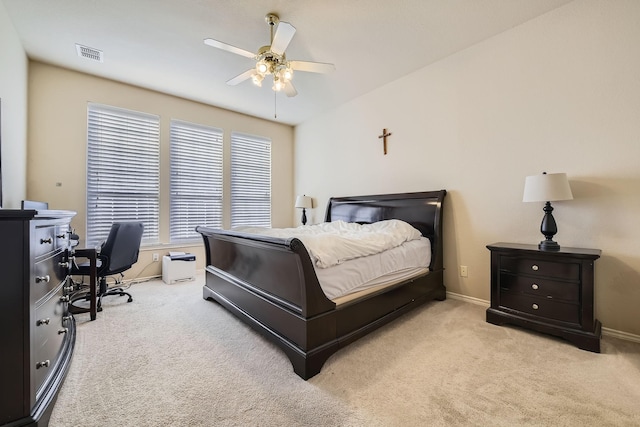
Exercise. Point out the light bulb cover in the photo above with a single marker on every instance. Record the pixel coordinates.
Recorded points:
(257, 79)
(277, 84)
(262, 67)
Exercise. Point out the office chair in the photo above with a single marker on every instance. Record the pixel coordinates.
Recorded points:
(117, 254)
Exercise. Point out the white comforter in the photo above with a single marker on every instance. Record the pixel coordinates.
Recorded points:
(332, 243)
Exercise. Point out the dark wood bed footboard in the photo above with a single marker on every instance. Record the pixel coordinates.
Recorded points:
(271, 284)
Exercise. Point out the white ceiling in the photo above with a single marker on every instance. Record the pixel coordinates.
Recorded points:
(158, 44)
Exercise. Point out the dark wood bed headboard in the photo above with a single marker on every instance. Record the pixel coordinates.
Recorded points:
(423, 210)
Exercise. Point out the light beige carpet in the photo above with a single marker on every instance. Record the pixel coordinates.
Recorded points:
(170, 358)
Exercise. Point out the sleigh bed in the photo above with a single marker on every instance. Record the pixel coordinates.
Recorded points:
(271, 284)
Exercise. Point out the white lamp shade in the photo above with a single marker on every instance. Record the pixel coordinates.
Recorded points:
(547, 187)
(303, 202)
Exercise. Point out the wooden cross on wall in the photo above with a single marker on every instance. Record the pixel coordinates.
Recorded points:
(384, 136)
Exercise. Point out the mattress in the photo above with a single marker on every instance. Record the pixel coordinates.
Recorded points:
(391, 266)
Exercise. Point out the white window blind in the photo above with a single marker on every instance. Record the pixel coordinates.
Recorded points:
(250, 180)
(196, 179)
(123, 171)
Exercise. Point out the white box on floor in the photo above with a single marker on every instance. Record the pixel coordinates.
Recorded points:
(178, 270)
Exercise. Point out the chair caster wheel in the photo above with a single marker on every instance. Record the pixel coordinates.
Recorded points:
(130, 299)
(99, 309)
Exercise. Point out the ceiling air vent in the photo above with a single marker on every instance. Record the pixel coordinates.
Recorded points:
(89, 53)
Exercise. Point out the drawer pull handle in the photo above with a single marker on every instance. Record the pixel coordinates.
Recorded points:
(64, 298)
(63, 331)
(64, 264)
(43, 322)
(534, 286)
(44, 279)
(68, 289)
(47, 240)
(535, 306)
(61, 236)
(534, 267)
(44, 364)
(66, 318)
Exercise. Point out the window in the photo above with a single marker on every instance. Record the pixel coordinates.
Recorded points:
(250, 180)
(196, 179)
(123, 171)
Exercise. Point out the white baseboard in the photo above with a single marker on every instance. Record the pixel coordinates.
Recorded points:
(605, 331)
(472, 300)
(140, 279)
(620, 334)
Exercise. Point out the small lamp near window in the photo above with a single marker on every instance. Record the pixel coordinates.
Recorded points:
(303, 202)
(547, 187)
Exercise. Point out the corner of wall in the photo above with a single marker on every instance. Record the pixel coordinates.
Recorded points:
(13, 114)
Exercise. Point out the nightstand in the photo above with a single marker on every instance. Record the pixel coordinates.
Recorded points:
(547, 291)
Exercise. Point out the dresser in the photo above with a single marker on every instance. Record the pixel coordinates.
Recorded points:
(38, 333)
(547, 291)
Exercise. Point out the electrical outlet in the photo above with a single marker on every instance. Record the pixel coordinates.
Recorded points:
(463, 271)
(156, 257)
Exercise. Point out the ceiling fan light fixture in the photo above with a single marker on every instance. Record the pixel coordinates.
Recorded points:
(257, 79)
(271, 59)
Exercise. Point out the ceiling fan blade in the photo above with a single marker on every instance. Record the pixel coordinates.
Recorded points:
(229, 48)
(284, 34)
(241, 77)
(290, 90)
(312, 67)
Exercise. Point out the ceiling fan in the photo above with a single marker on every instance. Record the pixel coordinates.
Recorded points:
(271, 60)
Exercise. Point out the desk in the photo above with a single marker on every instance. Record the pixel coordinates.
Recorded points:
(91, 255)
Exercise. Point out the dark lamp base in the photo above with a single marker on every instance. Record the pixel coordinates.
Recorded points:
(549, 245)
(548, 228)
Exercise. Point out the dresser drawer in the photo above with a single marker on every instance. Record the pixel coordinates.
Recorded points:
(48, 335)
(61, 236)
(541, 307)
(48, 274)
(540, 287)
(44, 240)
(537, 267)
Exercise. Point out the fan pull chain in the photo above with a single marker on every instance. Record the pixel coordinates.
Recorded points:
(275, 105)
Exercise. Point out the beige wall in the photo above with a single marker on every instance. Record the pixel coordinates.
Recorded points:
(13, 125)
(560, 93)
(58, 138)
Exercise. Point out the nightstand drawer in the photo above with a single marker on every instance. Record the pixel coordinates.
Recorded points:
(541, 307)
(537, 267)
(539, 287)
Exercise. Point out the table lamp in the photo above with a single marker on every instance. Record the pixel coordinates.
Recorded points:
(303, 202)
(547, 187)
